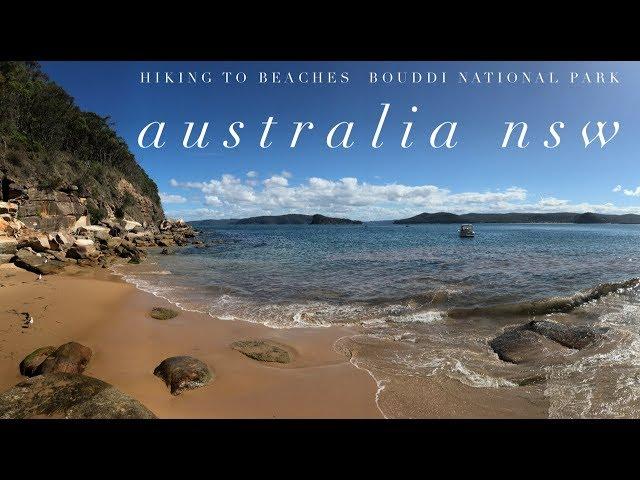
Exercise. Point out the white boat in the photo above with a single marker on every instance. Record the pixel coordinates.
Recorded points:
(466, 231)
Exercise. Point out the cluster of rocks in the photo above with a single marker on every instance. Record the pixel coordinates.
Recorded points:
(57, 388)
(83, 244)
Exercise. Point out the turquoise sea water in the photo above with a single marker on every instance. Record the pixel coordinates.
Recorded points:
(399, 283)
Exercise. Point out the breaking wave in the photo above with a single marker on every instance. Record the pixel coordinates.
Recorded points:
(547, 305)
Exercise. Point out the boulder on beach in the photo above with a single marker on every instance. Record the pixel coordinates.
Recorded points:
(37, 263)
(38, 241)
(30, 363)
(263, 350)
(161, 313)
(81, 249)
(183, 373)
(71, 357)
(67, 395)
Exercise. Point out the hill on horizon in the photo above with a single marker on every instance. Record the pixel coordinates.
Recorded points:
(287, 219)
(555, 217)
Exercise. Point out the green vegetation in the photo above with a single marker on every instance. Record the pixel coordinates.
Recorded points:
(96, 212)
(160, 313)
(46, 138)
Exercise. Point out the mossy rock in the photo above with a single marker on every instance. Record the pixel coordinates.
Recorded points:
(183, 373)
(161, 313)
(263, 350)
(68, 395)
(31, 362)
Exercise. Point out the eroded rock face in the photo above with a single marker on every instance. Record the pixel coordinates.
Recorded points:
(8, 207)
(183, 373)
(263, 350)
(67, 395)
(9, 226)
(71, 357)
(50, 210)
(8, 245)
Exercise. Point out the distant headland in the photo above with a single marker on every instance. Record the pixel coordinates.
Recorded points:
(439, 217)
(559, 217)
(290, 219)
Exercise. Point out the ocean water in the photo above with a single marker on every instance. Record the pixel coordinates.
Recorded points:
(425, 302)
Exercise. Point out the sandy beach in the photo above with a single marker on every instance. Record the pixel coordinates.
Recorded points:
(111, 317)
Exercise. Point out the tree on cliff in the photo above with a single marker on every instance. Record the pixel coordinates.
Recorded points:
(47, 142)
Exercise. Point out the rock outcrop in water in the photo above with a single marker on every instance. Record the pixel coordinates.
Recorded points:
(576, 337)
(544, 341)
(67, 395)
(546, 305)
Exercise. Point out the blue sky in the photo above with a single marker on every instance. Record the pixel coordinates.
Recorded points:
(362, 182)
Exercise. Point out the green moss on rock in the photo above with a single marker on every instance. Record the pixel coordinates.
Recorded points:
(161, 313)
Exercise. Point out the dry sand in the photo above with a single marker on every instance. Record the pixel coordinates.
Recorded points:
(112, 318)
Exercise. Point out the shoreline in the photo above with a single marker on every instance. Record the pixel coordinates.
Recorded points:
(110, 316)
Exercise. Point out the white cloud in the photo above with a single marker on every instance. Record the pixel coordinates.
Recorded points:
(252, 174)
(170, 198)
(633, 193)
(349, 197)
(552, 202)
(276, 181)
(286, 174)
(212, 200)
(617, 188)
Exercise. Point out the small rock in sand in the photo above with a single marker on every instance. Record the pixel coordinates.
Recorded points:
(161, 313)
(263, 350)
(183, 373)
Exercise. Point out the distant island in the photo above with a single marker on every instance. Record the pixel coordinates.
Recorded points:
(560, 217)
(290, 219)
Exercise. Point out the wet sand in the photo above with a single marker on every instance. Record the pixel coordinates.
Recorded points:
(111, 317)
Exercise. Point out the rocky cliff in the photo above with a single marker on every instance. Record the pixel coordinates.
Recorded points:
(61, 166)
